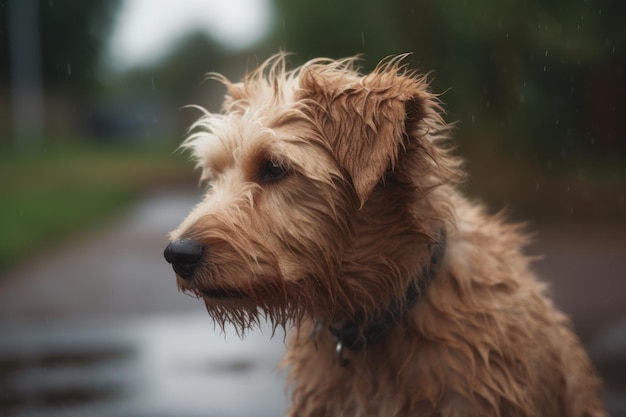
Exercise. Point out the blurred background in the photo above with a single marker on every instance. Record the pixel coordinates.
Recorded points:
(92, 98)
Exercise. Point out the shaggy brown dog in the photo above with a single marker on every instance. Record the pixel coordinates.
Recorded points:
(331, 207)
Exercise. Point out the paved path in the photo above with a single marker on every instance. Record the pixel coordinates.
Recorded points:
(116, 270)
(97, 326)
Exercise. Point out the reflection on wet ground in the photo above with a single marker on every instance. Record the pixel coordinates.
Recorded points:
(163, 366)
(95, 326)
(174, 365)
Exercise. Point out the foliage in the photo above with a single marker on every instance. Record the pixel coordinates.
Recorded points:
(181, 84)
(72, 35)
(543, 78)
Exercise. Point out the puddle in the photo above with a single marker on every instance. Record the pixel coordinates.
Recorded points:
(175, 365)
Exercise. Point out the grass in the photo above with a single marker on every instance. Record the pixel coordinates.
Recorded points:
(52, 194)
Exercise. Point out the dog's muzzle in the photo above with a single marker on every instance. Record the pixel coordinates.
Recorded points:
(184, 255)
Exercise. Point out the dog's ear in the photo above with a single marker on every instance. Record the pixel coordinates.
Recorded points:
(367, 120)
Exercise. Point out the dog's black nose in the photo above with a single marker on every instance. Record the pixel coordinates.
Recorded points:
(184, 255)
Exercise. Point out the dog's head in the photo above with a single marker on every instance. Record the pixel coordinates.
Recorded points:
(319, 192)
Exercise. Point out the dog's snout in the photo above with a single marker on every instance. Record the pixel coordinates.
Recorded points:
(184, 255)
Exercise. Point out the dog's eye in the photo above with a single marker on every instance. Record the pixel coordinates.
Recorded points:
(273, 171)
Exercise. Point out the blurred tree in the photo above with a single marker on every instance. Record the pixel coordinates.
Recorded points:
(531, 77)
(314, 28)
(71, 37)
(178, 79)
(180, 73)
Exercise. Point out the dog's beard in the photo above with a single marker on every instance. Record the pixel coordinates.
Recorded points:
(249, 314)
(274, 301)
(246, 285)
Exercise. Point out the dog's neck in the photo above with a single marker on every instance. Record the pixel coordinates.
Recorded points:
(355, 335)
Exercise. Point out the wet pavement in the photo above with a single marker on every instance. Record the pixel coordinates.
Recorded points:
(172, 365)
(95, 326)
(115, 270)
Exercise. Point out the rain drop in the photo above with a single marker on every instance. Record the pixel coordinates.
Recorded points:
(69, 69)
(544, 68)
(546, 54)
(152, 80)
(363, 38)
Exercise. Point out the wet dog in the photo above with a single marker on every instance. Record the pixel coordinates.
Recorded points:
(331, 208)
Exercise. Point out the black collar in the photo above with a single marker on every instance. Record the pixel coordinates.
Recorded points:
(351, 336)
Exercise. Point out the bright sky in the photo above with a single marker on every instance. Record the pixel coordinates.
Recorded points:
(147, 29)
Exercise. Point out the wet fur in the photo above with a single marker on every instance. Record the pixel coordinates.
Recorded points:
(370, 182)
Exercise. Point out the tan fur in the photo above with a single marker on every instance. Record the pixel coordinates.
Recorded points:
(370, 183)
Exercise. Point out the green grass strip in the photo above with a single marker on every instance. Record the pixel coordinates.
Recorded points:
(47, 196)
